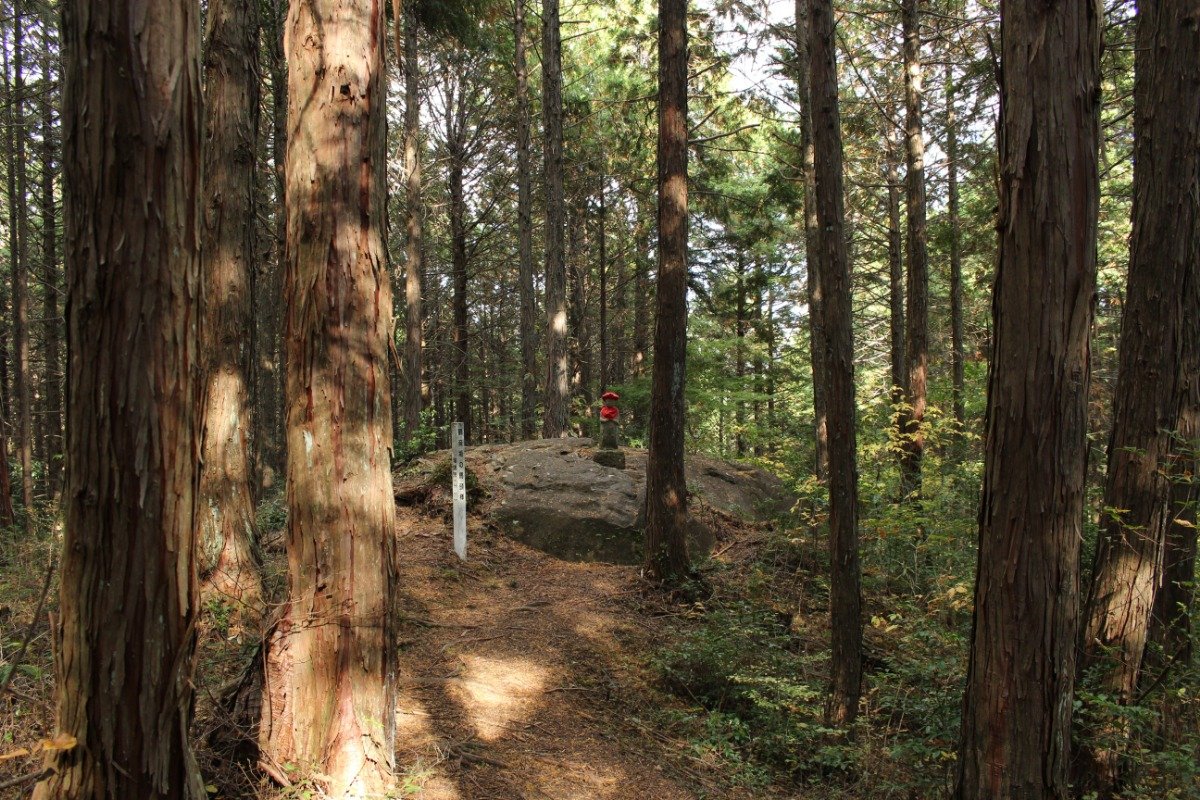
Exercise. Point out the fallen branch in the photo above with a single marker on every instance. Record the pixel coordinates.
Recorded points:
(20, 779)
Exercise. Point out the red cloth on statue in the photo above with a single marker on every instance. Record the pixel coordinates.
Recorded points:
(609, 412)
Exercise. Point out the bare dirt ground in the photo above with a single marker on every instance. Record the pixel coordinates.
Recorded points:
(521, 677)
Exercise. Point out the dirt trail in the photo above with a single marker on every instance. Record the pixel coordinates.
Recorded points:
(517, 681)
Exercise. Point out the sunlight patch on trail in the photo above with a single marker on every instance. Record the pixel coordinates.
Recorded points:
(496, 692)
(584, 780)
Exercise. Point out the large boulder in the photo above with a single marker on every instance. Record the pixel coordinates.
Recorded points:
(551, 495)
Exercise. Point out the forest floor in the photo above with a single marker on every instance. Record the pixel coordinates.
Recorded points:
(527, 677)
(521, 676)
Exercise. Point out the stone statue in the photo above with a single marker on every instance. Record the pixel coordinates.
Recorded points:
(610, 453)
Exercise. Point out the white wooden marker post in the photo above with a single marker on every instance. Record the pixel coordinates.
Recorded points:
(459, 488)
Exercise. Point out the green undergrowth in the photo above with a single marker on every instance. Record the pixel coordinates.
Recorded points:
(751, 664)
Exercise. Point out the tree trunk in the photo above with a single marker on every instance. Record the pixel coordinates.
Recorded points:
(8, 517)
(916, 318)
(558, 389)
(414, 390)
(331, 669)
(643, 319)
(51, 315)
(816, 330)
(132, 164)
(895, 281)
(619, 325)
(270, 449)
(525, 231)
(1154, 380)
(739, 355)
(19, 253)
(1021, 675)
(957, 356)
(227, 566)
(581, 340)
(666, 558)
(458, 265)
(603, 245)
(845, 595)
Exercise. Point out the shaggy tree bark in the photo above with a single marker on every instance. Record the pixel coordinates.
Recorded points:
(331, 670)
(845, 595)
(558, 376)
(1156, 381)
(1021, 677)
(916, 317)
(132, 166)
(666, 557)
(525, 231)
(227, 565)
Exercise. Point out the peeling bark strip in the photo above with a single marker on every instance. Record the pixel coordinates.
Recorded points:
(227, 565)
(131, 114)
(331, 660)
(1157, 383)
(1021, 678)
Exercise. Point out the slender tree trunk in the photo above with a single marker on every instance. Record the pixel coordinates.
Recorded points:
(7, 388)
(643, 319)
(458, 271)
(8, 516)
(529, 369)
(132, 165)
(19, 219)
(845, 595)
(772, 353)
(270, 444)
(666, 559)
(916, 318)
(414, 389)
(1151, 405)
(618, 336)
(581, 340)
(895, 280)
(957, 355)
(1021, 676)
(331, 668)
(51, 315)
(227, 564)
(603, 244)
(739, 355)
(558, 389)
(816, 329)
(756, 365)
